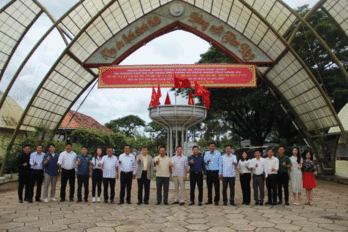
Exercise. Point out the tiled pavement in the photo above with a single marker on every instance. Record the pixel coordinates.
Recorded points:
(329, 213)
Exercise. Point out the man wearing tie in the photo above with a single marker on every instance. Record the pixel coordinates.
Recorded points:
(144, 175)
(128, 169)
(213, 161)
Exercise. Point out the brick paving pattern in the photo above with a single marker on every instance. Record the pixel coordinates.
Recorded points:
(328, 213)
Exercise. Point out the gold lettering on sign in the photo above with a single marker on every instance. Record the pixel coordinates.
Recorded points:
(127, 38)
(217, 30)
(197, 18)
(108, 53)
(246, 51)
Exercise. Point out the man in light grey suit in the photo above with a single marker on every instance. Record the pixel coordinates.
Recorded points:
(144, 174)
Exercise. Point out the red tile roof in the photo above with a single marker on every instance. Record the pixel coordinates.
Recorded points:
(81, 120)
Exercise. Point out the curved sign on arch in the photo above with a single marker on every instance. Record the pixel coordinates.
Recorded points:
(177, 15)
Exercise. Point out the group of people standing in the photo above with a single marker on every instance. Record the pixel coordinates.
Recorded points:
(277, 171)
(37, 167)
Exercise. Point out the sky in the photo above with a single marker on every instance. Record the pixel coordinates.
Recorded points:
(177, 47)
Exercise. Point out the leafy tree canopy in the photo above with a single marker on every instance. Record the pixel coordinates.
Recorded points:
(126, 125)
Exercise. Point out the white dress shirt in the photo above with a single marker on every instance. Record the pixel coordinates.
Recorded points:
(96, 161)
(109, 165)
(259, 170)
(269, 164)
(127, 163)
(67, 160)
(242, 164)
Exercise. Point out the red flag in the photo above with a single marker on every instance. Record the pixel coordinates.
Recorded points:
(190, 100)
(207, 104)
(181, 82)
(154, 98)
(206, 94)
(159, 94)
(198, 89)
(167, 102)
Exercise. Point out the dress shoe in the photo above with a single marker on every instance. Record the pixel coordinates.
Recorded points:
(280, 202)
(78, 201)
(274, 203)
(287, 203)
(120, 202)
(146, 203)
(26, 199)
(174, 203)
(128, 202)
(248, 203)
(139, 203)
(105, 202)
(216, 204)
(182, 203)
(158, 203)
(71, 199)
(192, 203)
(112, 202)
(261, 202)
(62, 200)
(166, 203)
(38, 200)
(225, 203)
(200, 204)
(232, 203)
(268, 203)
(20, 201)
(256, 203)
(208, 203)
(30, 201)
(86, 201)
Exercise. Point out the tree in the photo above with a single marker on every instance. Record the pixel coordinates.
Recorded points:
(126, 125)
(317, 58)
(158, 133)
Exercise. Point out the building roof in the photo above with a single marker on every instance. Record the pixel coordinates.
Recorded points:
(10, 113)
(81, 121)
(343, 116)
(90, 24)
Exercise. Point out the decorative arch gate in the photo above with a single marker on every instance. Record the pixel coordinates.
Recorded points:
(104, 32)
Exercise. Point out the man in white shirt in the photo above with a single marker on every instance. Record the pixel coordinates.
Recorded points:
(227, 173)
(67, 162)
(271, 167)
(127, 168)
(109, 164)
(179, 168)
(257, 165)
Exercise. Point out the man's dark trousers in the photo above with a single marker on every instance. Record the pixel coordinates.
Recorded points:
(126, 180)
(283, 181)
(143, 182)
(271, 183)
(24, 179)
(162, 181)
(106, 182)
(82, 179)
(196, 177)
(67, 175)
(258, 183)
(213, 178)
(36, 176)
(225, 182)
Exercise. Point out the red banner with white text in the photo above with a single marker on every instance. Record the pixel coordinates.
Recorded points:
(208, 75)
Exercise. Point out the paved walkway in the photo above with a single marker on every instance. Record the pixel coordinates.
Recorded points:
(329, 213)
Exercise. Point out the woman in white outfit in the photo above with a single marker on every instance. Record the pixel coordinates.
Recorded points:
(296, 175)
